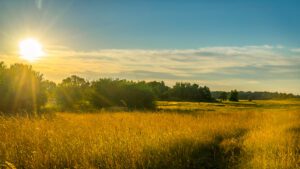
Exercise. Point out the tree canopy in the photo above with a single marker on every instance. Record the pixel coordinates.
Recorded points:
(21, 89)
(234, 96)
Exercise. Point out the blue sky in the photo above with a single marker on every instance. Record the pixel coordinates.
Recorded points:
(255, 43)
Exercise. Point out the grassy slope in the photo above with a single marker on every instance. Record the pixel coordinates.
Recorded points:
(260, 134)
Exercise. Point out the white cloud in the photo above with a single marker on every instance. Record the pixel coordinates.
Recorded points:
(295, 50)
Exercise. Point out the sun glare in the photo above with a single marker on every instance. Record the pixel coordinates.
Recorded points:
(30, 49)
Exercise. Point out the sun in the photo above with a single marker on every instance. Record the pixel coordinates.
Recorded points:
(31, 49)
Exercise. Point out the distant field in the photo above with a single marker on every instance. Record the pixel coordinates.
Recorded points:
(248, 135)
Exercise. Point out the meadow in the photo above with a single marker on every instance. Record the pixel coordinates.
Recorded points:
(248, 135)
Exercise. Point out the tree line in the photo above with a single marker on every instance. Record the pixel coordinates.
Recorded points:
(75, 92)
(23, 90)
(242, 95)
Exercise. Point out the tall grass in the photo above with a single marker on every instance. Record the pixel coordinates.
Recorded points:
(213, 136)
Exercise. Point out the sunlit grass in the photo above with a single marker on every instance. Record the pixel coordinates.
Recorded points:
(215, 135)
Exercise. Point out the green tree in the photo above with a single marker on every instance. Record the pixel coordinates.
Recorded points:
(50, 88)
(190, 92)
(234, 96)
(205, 94)
(159, 89)
(223, 96)
(21, 89)
(3, 87)
(109, 92)
(72, 93)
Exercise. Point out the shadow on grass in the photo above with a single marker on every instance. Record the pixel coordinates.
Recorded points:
(185, 111)
(222, 152)
(296, 131)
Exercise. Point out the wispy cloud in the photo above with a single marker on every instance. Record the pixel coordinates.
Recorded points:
(295, 50)
(39, 4)
(247, 65)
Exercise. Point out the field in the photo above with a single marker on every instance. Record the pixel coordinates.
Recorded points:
(258, 134)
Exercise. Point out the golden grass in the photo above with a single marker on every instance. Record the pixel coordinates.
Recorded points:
(212, 135)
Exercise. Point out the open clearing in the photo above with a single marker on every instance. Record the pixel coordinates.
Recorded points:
(258, 134)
